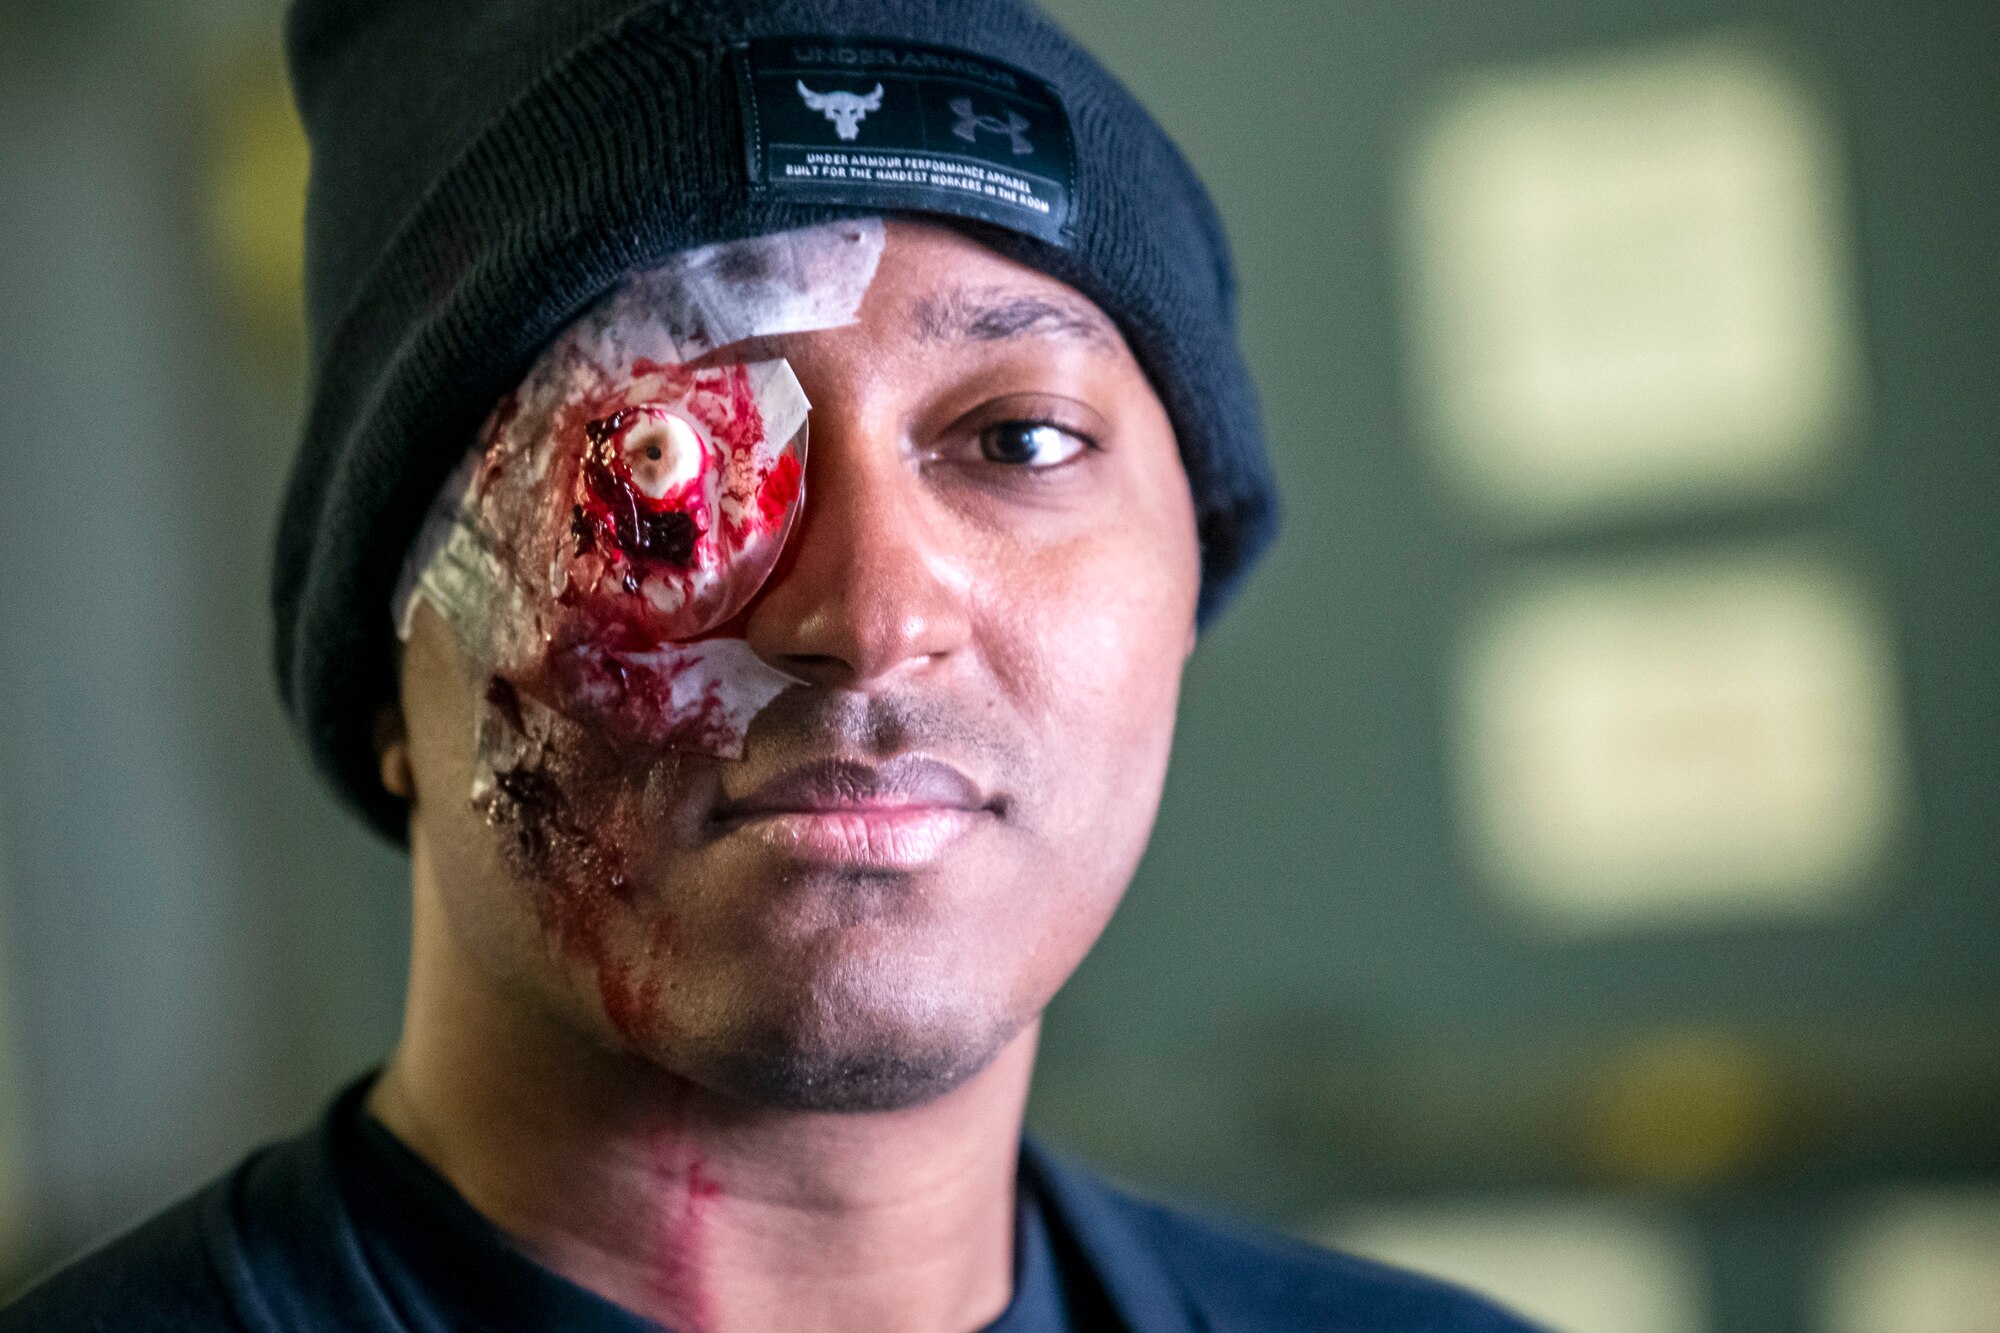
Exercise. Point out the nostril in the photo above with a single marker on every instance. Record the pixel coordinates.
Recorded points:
(820, 668)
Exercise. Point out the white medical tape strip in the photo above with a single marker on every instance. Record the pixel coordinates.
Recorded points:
(722, 679)
(793, 282)
(450, 564)
(781, 398)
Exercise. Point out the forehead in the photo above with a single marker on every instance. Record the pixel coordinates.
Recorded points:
(907, 281)
(940, 285)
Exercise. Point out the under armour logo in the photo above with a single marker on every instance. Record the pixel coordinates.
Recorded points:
(970, 123)
(845, 110)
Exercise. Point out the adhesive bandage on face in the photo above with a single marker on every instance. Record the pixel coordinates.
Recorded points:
(629, 499)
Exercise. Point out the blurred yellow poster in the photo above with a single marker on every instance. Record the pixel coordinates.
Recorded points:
(1919, 1262)
(1576, 1266)
(1706, 738)
(1630, 284)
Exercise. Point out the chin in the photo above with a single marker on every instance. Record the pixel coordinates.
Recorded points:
(887, 1076)
(841, 1054)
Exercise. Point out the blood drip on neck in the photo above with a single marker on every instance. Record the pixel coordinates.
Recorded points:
(680, 1278)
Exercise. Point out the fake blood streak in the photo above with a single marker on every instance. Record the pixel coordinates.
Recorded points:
(780, 489)
(586, 906)
(584, 897)
(679, 1275)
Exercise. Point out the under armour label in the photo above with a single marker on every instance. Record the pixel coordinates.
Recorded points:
(895, 125)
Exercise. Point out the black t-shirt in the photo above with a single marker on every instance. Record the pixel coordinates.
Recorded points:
(445, 1269)
(344, 1230)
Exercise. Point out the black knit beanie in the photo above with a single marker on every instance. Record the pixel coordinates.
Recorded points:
(484, 170)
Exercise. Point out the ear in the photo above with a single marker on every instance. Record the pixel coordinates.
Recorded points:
(392, 748)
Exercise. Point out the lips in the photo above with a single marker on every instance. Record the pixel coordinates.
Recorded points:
(902, 814)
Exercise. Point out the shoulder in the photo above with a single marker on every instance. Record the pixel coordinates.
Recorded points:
(1251, 1281)
(1269, 1281)
(251, 1252)
(158, 1276)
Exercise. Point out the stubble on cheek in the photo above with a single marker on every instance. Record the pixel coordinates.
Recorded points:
(572, 821)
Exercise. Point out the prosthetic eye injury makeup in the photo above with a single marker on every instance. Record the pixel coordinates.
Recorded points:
(623, 505)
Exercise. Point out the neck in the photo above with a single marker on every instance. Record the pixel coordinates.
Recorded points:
(698, 1210)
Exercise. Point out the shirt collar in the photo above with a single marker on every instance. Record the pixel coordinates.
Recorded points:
(1141, 1287)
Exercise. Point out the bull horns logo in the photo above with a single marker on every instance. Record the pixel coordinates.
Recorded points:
(845, 110)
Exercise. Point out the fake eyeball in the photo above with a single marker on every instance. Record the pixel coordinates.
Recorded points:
(681, 509)
(663, 452)
(647, 491)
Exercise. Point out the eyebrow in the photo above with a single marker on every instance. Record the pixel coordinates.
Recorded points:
(996, 314)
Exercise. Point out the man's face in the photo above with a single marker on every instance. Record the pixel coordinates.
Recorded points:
(983, 608)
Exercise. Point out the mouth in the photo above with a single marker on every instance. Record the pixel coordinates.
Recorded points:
(899, 815)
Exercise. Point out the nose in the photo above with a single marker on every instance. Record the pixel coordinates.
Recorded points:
(869, 590)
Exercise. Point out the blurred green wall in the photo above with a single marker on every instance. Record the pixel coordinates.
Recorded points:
(1311, 1003)
(1310, 997)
